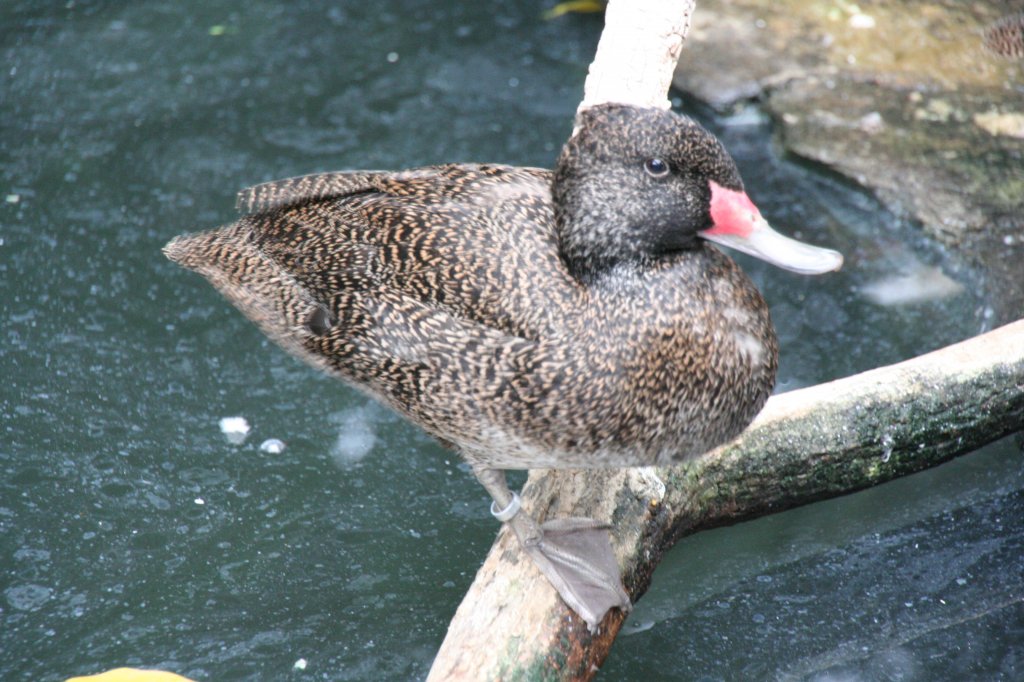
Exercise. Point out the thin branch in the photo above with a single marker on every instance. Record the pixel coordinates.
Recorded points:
(638, 51)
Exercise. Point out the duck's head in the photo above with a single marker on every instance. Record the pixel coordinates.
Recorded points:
(636, 185)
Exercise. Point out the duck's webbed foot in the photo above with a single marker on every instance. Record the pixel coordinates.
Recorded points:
(574, 554)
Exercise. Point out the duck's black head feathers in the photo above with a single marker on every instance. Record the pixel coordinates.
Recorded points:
(634, 184)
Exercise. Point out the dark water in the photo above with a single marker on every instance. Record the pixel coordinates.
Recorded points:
(133, 533)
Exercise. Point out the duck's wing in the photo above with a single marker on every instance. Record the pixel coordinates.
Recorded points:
(371, 273)
(475, 240)
(277, 194)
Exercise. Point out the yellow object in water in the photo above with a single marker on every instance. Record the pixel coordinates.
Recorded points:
(575, 6)
(131, 675)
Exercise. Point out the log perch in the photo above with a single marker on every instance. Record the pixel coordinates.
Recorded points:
(806, 445)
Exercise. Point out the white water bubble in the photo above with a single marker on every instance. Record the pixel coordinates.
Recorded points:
(235, 429)
(357, 434)
(272, 446)
(918, 283)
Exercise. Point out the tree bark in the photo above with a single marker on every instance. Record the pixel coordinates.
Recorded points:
(806, 445)
(637, 53)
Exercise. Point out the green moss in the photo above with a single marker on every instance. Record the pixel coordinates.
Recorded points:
(510, 668)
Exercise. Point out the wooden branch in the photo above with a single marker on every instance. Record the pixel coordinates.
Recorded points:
(806, 445)
(637, 53)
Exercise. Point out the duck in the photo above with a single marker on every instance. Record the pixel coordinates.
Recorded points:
(527, 318)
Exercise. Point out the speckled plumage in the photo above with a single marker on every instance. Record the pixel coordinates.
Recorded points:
(1005, 37)
(610, 336)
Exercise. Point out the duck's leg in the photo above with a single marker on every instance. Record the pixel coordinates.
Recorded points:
(574, 554)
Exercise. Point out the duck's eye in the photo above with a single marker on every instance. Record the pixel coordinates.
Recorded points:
(656, 168)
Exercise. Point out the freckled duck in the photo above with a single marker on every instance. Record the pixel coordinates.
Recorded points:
(528, 319)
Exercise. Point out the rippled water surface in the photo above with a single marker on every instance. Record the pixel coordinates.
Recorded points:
(132, 532)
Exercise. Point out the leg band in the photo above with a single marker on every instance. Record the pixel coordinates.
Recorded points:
(508, 512)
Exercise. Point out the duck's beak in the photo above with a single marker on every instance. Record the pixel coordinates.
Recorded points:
(739, 225)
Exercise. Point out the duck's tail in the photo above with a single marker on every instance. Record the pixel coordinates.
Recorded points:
(254, 283)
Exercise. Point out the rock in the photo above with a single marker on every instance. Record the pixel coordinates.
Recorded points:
(908, 99)
(997, 123)
(926, 158)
